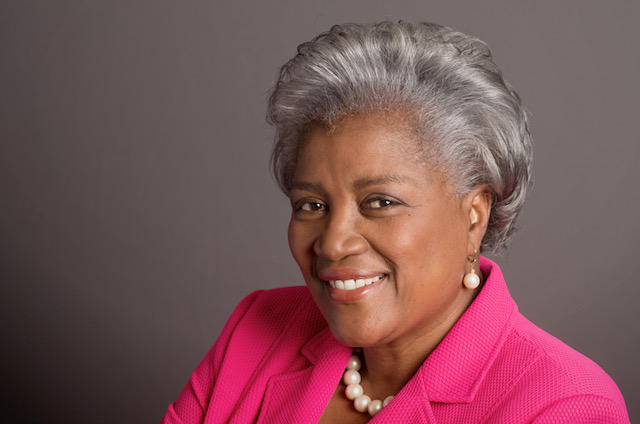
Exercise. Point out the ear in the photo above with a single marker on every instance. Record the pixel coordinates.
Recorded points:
(477, 209)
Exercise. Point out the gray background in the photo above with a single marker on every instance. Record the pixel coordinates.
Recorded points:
(136, 208)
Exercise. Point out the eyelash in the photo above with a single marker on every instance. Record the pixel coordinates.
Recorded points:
(383, 201)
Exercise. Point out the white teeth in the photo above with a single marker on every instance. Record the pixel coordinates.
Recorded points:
(353, 284)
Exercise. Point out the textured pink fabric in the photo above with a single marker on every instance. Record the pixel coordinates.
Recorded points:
(277, 362)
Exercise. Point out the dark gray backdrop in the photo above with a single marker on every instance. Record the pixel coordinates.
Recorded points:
(136, 208)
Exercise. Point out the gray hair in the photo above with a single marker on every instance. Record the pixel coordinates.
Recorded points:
(446, 82)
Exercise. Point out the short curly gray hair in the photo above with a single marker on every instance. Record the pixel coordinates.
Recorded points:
(447, 83)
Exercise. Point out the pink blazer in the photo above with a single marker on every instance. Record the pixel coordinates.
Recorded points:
(277, 362)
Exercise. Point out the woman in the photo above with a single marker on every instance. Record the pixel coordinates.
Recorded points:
(404, 154)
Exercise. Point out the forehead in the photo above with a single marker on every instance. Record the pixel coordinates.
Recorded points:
(361, 146)
(371, 136)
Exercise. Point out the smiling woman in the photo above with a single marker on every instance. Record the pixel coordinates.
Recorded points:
(404, 153)
(394, 218)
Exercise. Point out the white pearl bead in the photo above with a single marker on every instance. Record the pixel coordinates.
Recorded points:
(354, 363)
(386, 400)
(351, 377)
(374, 407)
(471, 280)
(353, 391)
(362, 403)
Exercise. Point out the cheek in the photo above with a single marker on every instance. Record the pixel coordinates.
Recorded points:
(421, 243)
(293, 237)
(410, 238)
(300, 244)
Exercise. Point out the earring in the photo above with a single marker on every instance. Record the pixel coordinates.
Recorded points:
(471, 279)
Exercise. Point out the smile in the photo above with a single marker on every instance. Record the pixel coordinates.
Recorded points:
(354, 284)
(352, 290)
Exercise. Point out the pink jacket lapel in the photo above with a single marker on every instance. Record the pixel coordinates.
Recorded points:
(301, 396)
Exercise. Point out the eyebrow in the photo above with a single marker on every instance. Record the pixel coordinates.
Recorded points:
(307, 186)
(379, 180)
(358, 184)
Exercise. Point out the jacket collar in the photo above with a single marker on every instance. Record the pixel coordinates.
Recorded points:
(454, 371)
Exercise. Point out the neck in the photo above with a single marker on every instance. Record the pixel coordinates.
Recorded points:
(390, 366)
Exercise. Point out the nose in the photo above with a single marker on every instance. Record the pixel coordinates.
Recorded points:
(339, 239)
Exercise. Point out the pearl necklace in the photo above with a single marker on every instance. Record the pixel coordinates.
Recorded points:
(354, 391)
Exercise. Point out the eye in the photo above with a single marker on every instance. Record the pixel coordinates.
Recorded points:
(310, 206)
(379, 203)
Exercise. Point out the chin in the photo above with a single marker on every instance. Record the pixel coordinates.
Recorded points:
(354, 336)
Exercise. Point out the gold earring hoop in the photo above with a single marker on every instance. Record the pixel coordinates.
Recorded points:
(471, 280)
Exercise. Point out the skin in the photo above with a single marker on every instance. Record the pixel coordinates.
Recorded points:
(363, 200)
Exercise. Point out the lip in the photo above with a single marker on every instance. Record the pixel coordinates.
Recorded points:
(355, 295)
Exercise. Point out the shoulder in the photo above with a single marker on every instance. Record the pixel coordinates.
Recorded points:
(261, 338)
(274, 303)
(272, 323)
(286, 317)
(568, 370)
(269, 310)
(551, 378)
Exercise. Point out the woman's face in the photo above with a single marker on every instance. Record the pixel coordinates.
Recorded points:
(366, 208)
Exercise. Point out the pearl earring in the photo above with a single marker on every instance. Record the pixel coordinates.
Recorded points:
(471, 279)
